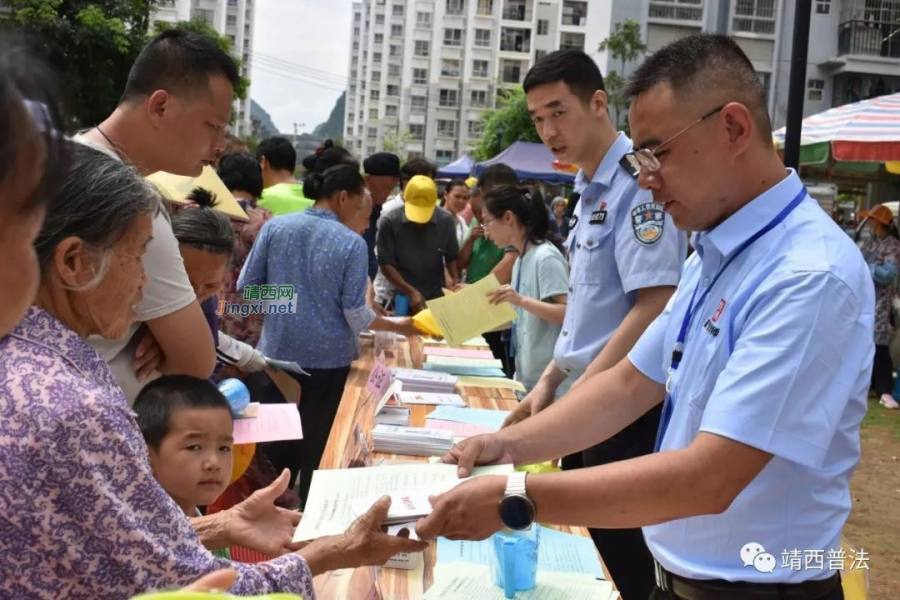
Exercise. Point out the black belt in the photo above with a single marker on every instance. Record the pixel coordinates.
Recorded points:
(717, 589)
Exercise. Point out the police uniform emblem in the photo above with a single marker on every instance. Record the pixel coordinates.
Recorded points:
(598, 217)
(648, 221)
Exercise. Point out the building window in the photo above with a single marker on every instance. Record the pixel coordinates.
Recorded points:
(394, 70)
(373, 115)
(512, 72)
(356, 32)
(391, 111)
(376, 76)
(393, 90)
(572, 40)
(446, 129)
(379, 39)
(815, 90)
(370, 150)
(449, 67)
(515, 40)
(485, 8)
(754, 16)
(479, 68)
(443, 157)
(375, 94)
(357, 17)
(676, 10)
(231, 40)
(823, 7)
(765, 79)
(423, 19)
(231, 20)
(423, 48)
(355, 46)
(420, 76)
(418, 104)
(475, 129)
(376, 57)
(539, 54)
(379, 19)
(349, 131)
(483, 38)
(574, 13)
(449, 98)
(417, 131)
(543, 27)
(453, 37)
(373, 132)
(397, 10)
(396, 50)
(478, 98)
(454, 7)
(397, 30)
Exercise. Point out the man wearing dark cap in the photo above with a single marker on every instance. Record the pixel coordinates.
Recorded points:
(382, 176)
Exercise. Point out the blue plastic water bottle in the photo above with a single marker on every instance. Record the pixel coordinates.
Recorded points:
(237, 394)
(401, 305)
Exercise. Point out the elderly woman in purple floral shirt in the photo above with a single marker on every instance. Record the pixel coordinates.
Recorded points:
(81, 515)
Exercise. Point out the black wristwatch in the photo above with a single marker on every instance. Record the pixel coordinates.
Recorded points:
(516, 508)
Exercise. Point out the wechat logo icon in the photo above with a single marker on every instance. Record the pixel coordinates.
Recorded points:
(754, 555)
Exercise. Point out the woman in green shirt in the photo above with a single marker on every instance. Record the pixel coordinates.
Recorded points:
(539, 287)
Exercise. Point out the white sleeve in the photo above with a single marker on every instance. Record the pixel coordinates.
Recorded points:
(234, 352)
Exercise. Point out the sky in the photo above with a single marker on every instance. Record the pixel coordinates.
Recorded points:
(301, 53)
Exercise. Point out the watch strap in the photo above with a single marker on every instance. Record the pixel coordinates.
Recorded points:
(515, 484)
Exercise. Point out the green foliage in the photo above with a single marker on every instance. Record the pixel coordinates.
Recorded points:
(201, 27)
(624, 46)
(90, 43)
(505, 125)
(396, 142)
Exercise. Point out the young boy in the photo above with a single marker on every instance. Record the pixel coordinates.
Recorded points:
(187, 425)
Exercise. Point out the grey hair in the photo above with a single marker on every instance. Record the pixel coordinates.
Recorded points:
(204, 228)
(558, 200)
(98, 199)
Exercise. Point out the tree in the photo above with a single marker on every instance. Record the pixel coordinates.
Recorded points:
(396, 142)
(201, 27)
(91, 44)
(624, 46)
(504, 125)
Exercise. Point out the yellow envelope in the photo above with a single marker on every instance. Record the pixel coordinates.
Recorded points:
(177, 188)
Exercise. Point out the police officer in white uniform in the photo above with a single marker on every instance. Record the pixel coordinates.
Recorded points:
(626, 257)
(762, 360)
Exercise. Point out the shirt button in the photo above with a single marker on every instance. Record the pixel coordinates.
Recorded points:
(571, 289)
(706, 282)
(590, 243)
(565, 332)
(578, 244)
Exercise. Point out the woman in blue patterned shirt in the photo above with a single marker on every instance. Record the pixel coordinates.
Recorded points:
(319, 254)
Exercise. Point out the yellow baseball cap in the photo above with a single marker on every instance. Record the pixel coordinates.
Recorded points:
(420, 197)
(471, 182)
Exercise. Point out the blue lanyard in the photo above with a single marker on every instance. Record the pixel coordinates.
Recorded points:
(678, 351)
(512, 333)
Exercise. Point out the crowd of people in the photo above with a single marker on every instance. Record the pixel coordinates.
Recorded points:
(702, 402)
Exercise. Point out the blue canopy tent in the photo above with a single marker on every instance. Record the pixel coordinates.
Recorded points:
(530, 162)
(461, 167)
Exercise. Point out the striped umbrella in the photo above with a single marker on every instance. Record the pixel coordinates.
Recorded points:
(867, 131)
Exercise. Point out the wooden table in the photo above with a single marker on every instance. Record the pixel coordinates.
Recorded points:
(342, 449)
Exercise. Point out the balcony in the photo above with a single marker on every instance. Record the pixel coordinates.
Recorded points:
(574, 13)
(485, 8)
(517, 11)
(515, 40)
(676, 10)
(573, 41)
(869, 38)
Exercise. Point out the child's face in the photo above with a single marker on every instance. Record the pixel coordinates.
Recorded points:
(193, 463)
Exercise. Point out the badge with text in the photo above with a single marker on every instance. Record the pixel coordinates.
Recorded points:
(379, 379)
(648, 221)
(598, 217)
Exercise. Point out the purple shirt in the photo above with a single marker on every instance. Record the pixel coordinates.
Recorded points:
(81, 515)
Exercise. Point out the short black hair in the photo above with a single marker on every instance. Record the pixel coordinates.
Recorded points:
(417, 166)
(573, 67)
(178, 61)
(241, 172)
(382, 164)
(279, 152)
(25, 79)
(163, 397)
(497, 175)
(339, 178)
(706, 65)
(328, 155)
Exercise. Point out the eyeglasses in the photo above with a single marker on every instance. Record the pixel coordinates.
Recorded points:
(646, 158)
(486, 222)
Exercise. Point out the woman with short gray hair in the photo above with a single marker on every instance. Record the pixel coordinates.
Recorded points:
(83, 515)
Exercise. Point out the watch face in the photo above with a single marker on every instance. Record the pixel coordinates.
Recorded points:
(516, 512)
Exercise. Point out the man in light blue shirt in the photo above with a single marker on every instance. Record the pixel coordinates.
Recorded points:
(626, 257)
(765, 350)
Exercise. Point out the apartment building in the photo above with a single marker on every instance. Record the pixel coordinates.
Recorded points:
(422, 71)
(231, 18)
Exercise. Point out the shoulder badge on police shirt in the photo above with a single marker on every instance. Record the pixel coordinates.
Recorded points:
(648, 221)
(630, 164)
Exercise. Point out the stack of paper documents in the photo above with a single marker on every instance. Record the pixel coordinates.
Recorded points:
(393, 415)
(469, 312)
(413, 441)
(406, 507)
(473, 416)
(328, 505)
(431, 399)
(425, 381)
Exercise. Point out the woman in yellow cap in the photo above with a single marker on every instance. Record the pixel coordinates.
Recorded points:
(881, 249)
